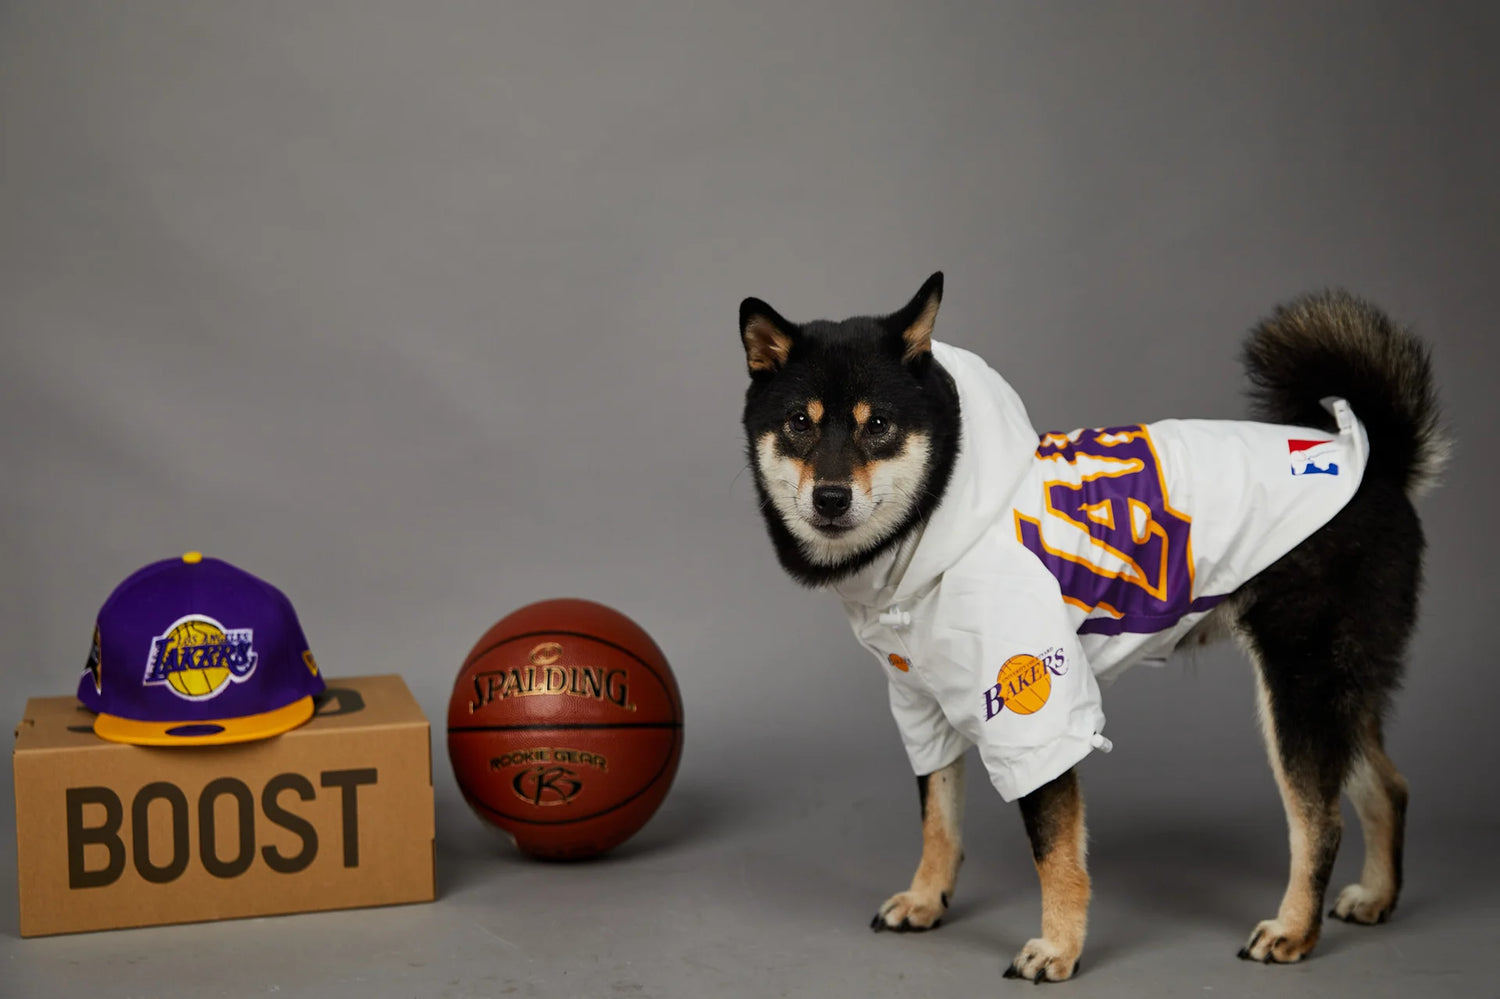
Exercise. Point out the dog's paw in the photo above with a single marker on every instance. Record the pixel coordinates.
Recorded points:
(910, 912)
(1041, 960)
(1272, 943)
(1357, 904)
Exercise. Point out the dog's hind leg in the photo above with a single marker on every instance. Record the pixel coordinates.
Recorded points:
(1379, 795)
(1054, 822)
(1309, 760)
(921, 906)
(1327, 627)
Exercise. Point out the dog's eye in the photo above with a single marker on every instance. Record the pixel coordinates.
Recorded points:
(877, 426)
(799, 423)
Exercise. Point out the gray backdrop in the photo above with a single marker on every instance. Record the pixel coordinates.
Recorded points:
(426, 311)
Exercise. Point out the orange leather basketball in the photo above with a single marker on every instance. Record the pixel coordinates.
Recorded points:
(565, 728)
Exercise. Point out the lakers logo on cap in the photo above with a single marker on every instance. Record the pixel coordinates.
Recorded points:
(198, 657)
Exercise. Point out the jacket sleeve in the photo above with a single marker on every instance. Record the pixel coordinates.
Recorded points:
(1020, 687)
(930, 739)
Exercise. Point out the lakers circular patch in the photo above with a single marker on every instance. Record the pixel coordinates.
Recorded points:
(899, 662)
(1024, 683)
(197, 657)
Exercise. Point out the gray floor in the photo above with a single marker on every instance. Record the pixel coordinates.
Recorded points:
(758, 878)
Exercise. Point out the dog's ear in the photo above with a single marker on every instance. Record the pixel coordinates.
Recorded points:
(767, 337)
(913, 324)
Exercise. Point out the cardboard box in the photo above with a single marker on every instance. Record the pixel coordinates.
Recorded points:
(334, 814)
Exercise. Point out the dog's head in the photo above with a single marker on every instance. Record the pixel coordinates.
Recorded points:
(852, 428)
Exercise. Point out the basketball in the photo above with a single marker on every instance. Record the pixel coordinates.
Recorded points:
(1024, 683)
(565, 728)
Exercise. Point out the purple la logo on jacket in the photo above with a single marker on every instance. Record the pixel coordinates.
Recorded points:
(1135, 565)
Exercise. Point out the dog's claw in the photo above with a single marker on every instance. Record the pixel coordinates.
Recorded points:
(1040, 976)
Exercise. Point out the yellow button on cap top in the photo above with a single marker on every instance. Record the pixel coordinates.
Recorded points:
(192, 558)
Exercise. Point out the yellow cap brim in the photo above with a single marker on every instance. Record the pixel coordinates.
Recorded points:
(204, 733)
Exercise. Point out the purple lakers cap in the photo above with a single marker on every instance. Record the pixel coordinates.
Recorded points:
(192, 651)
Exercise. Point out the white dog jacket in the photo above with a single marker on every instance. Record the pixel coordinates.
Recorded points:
(1057, 559)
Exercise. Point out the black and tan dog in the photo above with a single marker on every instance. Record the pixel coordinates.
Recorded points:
(854, 429)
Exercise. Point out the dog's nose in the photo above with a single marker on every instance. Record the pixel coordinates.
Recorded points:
(832, 501)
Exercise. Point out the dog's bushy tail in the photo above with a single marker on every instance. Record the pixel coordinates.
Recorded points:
(1334, 344)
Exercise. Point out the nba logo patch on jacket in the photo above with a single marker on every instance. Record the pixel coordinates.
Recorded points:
(1318, 457)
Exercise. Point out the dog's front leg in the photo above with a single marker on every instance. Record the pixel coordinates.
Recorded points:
(921, 907)
(1054, 820)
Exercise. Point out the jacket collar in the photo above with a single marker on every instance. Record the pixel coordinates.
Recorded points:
(996, 443)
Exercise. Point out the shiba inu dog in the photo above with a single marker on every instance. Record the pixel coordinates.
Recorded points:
(997, 573)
